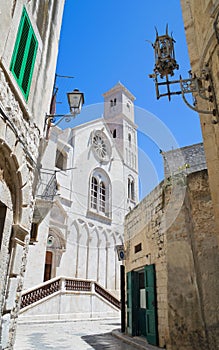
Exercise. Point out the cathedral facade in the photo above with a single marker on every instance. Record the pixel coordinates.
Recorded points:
(96, 167)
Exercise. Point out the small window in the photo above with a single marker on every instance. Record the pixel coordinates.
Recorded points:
(111, 103)
(138, 248)
(114, 102)
(3, 210)
(24, 55)
(131, 189)
(60, 160)
(114, 133)
(33, 232)
(129, 139)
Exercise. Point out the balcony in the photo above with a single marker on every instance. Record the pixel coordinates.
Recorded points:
(45, 193)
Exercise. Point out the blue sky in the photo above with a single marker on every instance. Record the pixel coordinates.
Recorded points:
(103, 42)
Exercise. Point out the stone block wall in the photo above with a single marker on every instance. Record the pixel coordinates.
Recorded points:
(201, 26)
(175, 225)
(144, 225)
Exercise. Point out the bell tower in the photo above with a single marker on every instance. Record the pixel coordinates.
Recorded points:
(119, 117)
(118, 101)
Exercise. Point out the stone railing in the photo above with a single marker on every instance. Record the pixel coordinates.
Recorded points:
(106, 295)
(62, 284)
(39, 293)
(78, 285)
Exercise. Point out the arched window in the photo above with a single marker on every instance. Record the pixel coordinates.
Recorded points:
(102, 199)
(94, 189)
(131, 188)
(114, 133)
(114, 101)
(129, 139)
(100, 193)
(111, 103)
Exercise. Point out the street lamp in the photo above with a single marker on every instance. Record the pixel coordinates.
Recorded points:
(75, 101)
(199, 86)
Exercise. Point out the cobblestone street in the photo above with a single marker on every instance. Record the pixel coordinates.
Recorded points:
(75, 335)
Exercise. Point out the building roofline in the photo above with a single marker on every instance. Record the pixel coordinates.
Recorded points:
(119, 86)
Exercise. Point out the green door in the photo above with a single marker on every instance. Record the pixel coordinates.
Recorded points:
(132, 301)
(151, 310)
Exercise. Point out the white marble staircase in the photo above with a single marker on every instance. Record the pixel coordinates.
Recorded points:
(63, 298)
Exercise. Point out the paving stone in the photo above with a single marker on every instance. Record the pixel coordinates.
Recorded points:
(75, 335)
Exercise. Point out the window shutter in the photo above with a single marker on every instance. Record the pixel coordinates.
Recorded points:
(29, 65)
(20, 49)
(24, 54)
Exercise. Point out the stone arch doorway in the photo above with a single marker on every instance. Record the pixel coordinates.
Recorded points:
(56, 246)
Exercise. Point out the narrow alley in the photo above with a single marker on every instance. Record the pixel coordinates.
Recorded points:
(78, 335)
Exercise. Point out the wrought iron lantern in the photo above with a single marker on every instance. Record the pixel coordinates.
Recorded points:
(75, 101)
(165, 64)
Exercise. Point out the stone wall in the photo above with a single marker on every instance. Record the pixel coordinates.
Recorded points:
(144, 225)
(202, 32)
(175, 225)
(21, 129)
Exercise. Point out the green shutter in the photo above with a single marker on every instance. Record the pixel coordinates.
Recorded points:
(24, 54)
(151, 305)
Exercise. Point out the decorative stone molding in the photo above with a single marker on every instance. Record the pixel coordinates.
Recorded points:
(27, 134)
(19, 233)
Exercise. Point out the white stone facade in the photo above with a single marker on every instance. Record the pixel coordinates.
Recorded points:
(21, 130)
(78, 237)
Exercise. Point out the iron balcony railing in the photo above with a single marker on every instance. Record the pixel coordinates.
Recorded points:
(47, 185)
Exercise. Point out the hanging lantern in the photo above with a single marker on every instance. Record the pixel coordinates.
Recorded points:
(165, 62)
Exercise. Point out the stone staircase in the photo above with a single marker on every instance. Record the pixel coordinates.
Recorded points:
(63, 298)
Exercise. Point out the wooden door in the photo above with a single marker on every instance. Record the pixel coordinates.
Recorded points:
(48, 266)
(151, 305)
(132, 302)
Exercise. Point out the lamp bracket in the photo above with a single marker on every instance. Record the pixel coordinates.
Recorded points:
(50, 119)
(201, 86)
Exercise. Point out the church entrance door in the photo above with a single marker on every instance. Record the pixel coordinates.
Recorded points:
(48, 266)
